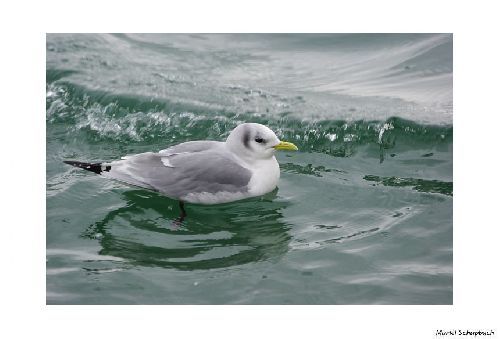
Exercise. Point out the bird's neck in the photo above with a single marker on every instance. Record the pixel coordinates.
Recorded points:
(252, 162)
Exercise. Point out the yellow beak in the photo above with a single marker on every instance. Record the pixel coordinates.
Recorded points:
(286, 146)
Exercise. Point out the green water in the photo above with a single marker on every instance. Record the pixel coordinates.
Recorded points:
(362, 213)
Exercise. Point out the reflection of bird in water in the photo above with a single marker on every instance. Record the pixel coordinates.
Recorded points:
(224, 236)
(204, 172)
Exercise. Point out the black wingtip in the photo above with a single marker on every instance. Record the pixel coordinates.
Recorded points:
(95, 167)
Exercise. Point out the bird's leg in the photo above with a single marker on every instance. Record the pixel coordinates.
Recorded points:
(178, 222)
(183, 211)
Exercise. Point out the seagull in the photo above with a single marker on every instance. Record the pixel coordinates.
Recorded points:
(203, 172)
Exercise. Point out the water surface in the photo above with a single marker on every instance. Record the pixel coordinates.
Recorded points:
(363, 212)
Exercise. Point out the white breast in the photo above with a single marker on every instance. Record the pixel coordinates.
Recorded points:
(265, 176)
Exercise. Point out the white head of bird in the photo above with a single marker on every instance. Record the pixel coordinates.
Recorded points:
(256, 141)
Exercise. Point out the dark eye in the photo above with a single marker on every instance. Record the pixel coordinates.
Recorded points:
(259, 140)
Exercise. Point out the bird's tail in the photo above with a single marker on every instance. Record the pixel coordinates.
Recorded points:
(95, 167)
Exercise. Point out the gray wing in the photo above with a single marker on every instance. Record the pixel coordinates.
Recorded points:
(193, 147)
(177, 174)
